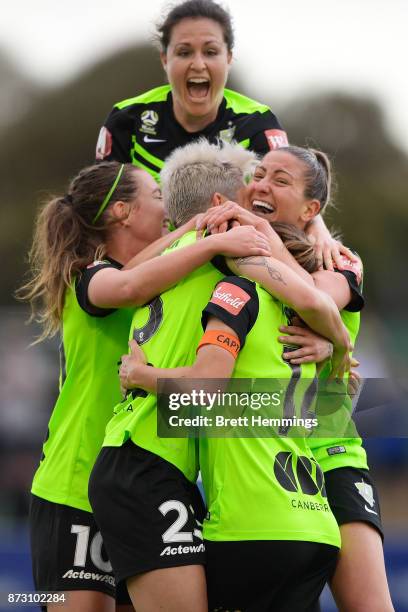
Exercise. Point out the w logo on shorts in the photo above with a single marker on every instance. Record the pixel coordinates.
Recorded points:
(297, 473)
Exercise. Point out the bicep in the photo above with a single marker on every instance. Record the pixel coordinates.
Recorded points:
(104, 288)
(335, 285)
(276, 278)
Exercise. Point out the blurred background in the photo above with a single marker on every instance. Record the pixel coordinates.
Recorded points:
(333, 72)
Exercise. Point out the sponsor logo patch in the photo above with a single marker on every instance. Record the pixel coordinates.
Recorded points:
(352, 266)
(148, 139)
(182, 550)
(336, 450)
(230, 297)
(276, 139)
(83, 575)
(104, 144)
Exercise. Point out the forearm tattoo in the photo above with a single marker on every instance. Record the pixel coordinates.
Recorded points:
(263, 262)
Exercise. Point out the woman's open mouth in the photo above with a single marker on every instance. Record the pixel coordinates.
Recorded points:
(259, 206)
(198, 87)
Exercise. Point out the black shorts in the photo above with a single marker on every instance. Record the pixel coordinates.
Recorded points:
(267, 576)
(353, 496)
(149, 513)
(68, 553)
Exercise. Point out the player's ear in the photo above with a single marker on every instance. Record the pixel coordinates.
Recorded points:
(311, 209)
(120, 211)
(229, 59)
(163, 59)
(217, 199)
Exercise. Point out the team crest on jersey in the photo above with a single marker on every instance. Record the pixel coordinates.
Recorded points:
(149, 119)
(366, 492)
(227, 135)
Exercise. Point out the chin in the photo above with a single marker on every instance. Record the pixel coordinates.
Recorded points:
(198, 110)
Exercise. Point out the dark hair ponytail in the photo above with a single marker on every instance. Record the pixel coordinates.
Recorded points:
(66, 238)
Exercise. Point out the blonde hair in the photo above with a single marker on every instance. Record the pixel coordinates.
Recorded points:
(192, 174)
(298, 244)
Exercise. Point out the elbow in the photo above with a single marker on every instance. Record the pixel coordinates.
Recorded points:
(130, 295)
(312, 302)
(308, 301)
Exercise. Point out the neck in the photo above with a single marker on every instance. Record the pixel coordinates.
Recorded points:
(122, 247)
(192, 123)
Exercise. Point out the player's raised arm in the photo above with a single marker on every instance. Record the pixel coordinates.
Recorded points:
(317, 309)
(111, 288)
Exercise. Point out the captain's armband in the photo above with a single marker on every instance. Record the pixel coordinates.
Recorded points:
(223, 339)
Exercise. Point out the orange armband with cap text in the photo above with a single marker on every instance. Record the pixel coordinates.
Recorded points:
(223, 339)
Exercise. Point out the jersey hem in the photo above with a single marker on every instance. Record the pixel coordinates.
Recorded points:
(300, 536)
(60, 499)
(117, 443)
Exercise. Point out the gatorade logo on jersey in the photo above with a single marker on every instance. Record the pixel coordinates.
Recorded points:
(276, 139)
(230, 297)
(353, 266)
(104, 144)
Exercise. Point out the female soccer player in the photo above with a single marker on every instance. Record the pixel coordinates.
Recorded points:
(145, 480)
(292, 186)
(109, 214)
(196, 40)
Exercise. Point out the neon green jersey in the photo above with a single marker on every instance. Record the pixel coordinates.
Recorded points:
(346, 450)
(169, 331)
(92, 346)
(266, 488)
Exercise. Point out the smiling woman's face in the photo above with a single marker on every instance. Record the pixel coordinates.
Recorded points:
(196, 62)
(277, 190)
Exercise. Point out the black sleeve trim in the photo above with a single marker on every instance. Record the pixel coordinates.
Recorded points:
(81, 290)
(244, 320)
(219, 262)
(357, 301)
(120, 125)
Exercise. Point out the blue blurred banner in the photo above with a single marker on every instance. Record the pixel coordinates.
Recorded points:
(15, 570)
